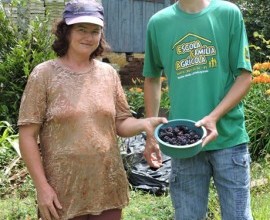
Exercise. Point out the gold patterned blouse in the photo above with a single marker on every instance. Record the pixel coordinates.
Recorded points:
(77, 112)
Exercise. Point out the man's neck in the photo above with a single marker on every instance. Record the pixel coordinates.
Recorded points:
(193, 6)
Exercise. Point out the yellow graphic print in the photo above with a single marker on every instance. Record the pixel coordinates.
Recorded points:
(246, 52)
(197, 53)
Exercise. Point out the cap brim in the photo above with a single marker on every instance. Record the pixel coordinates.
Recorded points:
(84, 19)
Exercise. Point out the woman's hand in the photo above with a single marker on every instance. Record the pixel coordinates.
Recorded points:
(152, 152)
(48, 203)
(132, 126)
(151, 123)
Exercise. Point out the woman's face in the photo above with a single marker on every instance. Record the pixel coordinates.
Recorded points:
(84, 38)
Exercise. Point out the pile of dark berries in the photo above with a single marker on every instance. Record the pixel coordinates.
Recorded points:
(178, 135)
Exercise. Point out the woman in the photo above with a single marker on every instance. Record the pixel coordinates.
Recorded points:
(76, 106)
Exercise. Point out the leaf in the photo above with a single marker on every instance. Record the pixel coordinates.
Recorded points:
(256, 34)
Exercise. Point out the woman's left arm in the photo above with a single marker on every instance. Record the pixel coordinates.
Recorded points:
(132, 126)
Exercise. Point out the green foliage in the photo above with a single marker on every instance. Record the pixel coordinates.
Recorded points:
(261, 48)
(256, 15)
(17, 197)
(145, 206)
(7, 36)
(14, 179)
(135, 97)
(164, 99)
(20, 57)
(7, 141)
(260, 193)
(19, 209)
(257, 105)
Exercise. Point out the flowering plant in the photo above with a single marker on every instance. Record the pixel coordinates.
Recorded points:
(164, 100)
(257, 105)
(261, 72)
(135, 97)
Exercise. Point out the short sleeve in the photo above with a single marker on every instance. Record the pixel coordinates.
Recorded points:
(152, 62)
(239, 48)
(33, 102)
(121, 104)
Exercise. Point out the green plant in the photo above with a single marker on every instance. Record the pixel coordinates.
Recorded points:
(260, 174)
(8, 140)
(8, 34)
(145, 206)
(256, 21)
(135, 97)
(19, 209)
(27, 50)
(164, 100)
(260, 47)
(257, 105)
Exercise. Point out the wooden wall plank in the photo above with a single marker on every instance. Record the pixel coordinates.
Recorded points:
(126, 22)
(111, 10)
(138, 33)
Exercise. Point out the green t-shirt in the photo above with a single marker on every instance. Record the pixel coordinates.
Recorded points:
(201, 54)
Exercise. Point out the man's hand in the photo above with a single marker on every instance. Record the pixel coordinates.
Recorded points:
(210, 125)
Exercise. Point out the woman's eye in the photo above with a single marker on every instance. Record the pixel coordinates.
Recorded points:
(97, 32)
(82, 30)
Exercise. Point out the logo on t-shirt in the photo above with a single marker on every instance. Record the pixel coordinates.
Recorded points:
(197, 55)
(246, 53)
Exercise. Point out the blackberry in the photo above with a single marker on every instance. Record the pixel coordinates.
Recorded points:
(169, 129)
(162, 134)
(170, 134)
(178, 135)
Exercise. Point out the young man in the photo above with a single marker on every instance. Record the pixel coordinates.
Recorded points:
(202, 47)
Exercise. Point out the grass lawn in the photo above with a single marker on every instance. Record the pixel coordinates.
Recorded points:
(19, 203)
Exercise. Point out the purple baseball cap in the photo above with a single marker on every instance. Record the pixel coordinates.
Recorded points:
(79, 11)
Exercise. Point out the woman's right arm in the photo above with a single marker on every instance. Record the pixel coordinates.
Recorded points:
(47, 198)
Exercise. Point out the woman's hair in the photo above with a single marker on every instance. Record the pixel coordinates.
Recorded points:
(61, 43)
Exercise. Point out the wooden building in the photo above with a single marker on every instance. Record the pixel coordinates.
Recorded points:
(126, 22)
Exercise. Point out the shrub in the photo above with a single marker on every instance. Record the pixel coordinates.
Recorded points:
(260, 49)
(257, 105)
(135, 97)
(21, 55)
(7, 36)
(256, 15)
(7, 141)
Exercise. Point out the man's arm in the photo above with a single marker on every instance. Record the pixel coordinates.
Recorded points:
(237, 92)
(152, 93)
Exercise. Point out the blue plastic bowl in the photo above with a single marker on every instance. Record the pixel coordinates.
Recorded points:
(181, 151)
